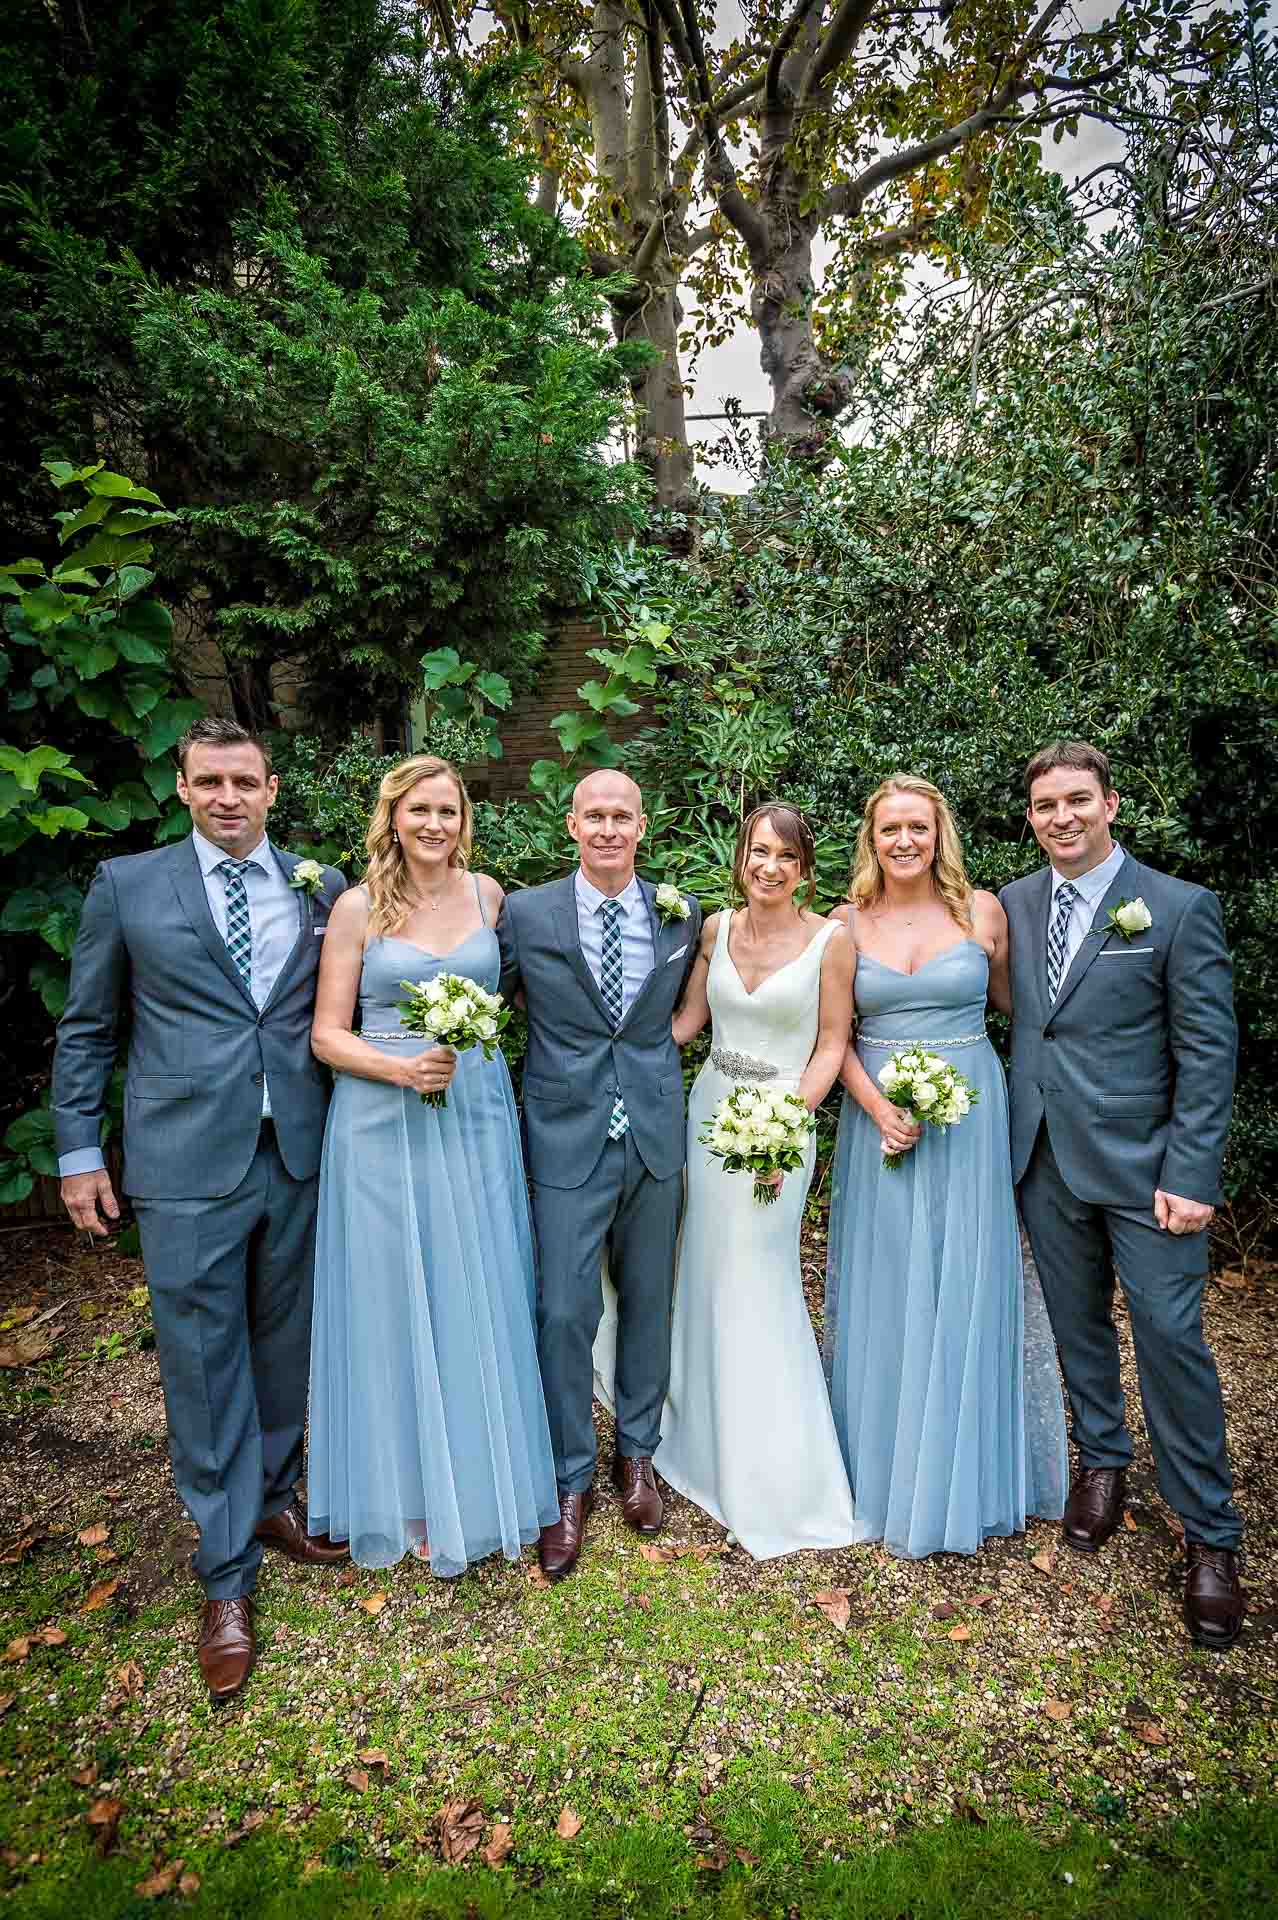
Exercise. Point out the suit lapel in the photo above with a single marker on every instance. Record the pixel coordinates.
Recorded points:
(1095, 939)
(188, 882)
(565, 916)
(286, 863)
(663, 945)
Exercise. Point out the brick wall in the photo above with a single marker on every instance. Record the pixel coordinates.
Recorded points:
(525, 731)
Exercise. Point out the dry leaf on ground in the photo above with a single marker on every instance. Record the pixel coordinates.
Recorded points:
(189, 1883)
(50, 1637)
(1149, 1732)
(93, 1536)
(98, 1596)
(373, 1603)
(373, 1757)
(156, 1884)
(959, 1633)
(104, 1818)
(6, 1701)
(85, 1776)
(461, 1828)
(23, 1544)
(981, 1599)
(536, 1578)
(834, 1604)
(1045, 1562)
(129, 1684)
(27, 1348)
(568, 1825)
(358, 1779)
(17, 1649)
(501, 1845)
(1129, 1523)
(18, 1316)
(249, 1824)
(105, 1555)
(1057, 1709)
(944, 1610)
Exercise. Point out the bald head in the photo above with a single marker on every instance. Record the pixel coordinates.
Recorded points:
(607, 822)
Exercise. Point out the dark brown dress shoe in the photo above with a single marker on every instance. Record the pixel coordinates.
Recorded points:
(226, 1647)
(560, 1544)
(1095, 1508)
(641, 1505)
(286, 1532)
(1214, 1606)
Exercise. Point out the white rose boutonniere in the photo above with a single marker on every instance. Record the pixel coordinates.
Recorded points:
(671, 904)
(308, 874)
(1129, 918)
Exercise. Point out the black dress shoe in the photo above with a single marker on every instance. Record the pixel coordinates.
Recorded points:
(1095, 1508)
(1214, 1606)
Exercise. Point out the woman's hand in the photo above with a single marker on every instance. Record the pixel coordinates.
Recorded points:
(429, 1071)
(898, 1131)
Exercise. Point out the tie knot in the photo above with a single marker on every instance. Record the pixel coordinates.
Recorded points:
(233, 869)
(1067, 892)
(610, 909)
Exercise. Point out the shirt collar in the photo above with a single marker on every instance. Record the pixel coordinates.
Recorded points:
(1096, 881)
(211, 857)
(588, 895)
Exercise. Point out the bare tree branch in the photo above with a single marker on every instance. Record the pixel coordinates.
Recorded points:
(844, 31)
(781, 47)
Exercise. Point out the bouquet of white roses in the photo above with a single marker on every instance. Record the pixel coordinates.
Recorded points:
(455, 1012)
(759, 1130)
(927, 1088)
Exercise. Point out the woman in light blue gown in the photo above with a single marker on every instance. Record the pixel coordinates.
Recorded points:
(942, 1370)
(428, 1429)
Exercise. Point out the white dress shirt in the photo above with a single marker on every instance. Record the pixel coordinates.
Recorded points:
(274, 922)
(636, 934)
(1091, 888)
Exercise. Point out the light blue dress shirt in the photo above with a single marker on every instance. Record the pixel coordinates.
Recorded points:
(274, 919)
(1092, 888)
(636, 935)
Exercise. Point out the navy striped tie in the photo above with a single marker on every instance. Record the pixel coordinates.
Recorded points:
(1058, 937)
(611, 982)
(239, 933)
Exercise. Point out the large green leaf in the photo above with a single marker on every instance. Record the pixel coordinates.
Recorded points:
(54, 820)
(161, 778)
(29, 1130)
(141, 697)
(88, 516)
(63, 474)
(576, 730)
(15, 1183)
(118, 486)
(28, 768)
(97, 660)
(113, 815)
(58, 929)
(137, 648)
(24, 910)
(495, 688)
(105, 551)
(50, 980)
(168, 723)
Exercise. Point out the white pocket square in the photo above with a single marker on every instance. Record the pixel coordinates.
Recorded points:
(679, 955)
(1122, 953)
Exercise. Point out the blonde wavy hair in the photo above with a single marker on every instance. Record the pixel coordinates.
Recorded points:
(949, 874)
(386, 876)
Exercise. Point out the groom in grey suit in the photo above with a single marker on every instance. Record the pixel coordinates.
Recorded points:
(602, 970)
(1121, 1084)
(208, 951)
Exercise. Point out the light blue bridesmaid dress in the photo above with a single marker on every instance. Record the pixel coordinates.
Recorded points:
(427, 1419)
(942, 1370)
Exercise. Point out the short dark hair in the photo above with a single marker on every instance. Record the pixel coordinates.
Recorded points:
(1069, 753)
(215, 732)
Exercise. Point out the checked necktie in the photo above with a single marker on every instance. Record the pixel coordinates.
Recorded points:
(239, 934)
(610, 985)
(1058, 937)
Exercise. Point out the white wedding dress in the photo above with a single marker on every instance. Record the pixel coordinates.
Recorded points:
(747, 1431)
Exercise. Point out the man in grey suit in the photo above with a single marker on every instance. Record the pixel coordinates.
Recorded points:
(208, 949)
(1122, 1075)
(602, 969)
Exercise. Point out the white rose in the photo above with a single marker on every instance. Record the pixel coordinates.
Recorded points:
(435, 991)
(1133, 916)
(671, 901)
(889, 1077)
(925, 1096)
(486, 1027)
(721, 1140)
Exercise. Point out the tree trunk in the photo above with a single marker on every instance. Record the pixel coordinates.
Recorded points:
(808, 392)
(658, 393)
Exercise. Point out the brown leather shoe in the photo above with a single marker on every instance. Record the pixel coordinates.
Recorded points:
(1095, 1508)
(286, 1532)
(641, 1505)
(561, 1542)
(1214, 1606)
(226, 1648)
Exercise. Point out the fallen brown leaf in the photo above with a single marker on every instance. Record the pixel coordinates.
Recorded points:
(249, 1824)
(312, 1866)
(568, 1826)
(50, 1637)
(189, 1883)
(959, 1633)
(833, 1602)
(1233, 1277)
(23, 1544)
(501, 1845)
(644, 1602)
(1057, 1709)
(162, 1881)
(17, 1649)
(98, 1596)
(981, 1599)
(358, 1779)
(105, 1555)
(373, 1757)
(657, 1556)
(104, 1817)
(348, 1576)
(85, 1776)
(6, 1701)
(93, 1536)
(1105, 1602)
(18, 1316)
(129, 1683)
(27, 1348)
(1045, 1562)
(536, 1578)
(373, 1603)
(1129, 1523)
(944, 1610)
(461, 1828)
(1149, 1732)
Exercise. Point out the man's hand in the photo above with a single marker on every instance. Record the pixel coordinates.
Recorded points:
(83, 1193)
(1175, 1215)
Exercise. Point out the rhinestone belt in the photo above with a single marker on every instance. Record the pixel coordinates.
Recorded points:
(399, 1034)
(961, 1040)
(739, 1066)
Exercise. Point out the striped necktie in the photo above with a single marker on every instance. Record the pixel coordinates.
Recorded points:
(611, 978)
(1058, 937)
(239, 933)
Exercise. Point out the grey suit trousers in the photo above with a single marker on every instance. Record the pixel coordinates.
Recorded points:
(231, 1289)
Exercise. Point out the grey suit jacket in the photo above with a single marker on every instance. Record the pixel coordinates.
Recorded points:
(576, 1063)
(148, 951)
(1133, 1064)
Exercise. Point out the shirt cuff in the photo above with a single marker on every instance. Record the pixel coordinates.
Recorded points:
(83, 1160)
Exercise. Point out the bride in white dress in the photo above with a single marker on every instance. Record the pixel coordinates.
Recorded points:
(747, 1432)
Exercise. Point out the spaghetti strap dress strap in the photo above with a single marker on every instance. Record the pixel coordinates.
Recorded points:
(479, 898)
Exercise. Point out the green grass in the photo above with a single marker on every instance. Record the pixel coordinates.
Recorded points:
(1219, 1863)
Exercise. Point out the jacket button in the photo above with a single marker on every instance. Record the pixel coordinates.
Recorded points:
(1049, 1036)
(257, 1079)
